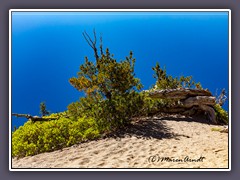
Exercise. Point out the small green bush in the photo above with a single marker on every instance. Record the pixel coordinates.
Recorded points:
(153, 106)
(110, 114)
(43, 109)
(150, 106)
(216, 129)
(34, 138)
(165, 81)
(221, 114)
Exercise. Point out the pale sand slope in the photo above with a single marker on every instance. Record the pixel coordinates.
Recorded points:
(169, 137)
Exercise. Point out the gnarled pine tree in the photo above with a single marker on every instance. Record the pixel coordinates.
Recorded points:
(110, 88)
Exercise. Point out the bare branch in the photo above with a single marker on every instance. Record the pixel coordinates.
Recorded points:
(22, 115)
(84, 35)
(92, 43)
(101, 45)
(222, 98)
(95, 37)
(33, 118)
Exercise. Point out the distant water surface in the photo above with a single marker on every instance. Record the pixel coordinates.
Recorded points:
(48, 47)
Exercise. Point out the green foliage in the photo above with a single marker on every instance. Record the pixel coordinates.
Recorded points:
(221, 114)
(106, 77)
(111, 91)
(165, 81)
(43, 109)
(152, 106)
(34, 138)
(109, 114)
(216, 129)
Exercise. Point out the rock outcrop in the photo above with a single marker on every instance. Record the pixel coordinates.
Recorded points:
(189, 101)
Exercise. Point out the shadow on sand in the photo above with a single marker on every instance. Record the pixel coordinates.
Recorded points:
(196, 118)
(155, 127)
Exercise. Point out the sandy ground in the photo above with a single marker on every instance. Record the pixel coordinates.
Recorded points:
(170, 142)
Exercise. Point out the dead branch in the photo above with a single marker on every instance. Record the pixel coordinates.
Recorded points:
(33, 118)
(222, 98)
(92, 43)
(101, 45)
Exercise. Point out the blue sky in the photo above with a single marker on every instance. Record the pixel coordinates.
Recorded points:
(48, 47)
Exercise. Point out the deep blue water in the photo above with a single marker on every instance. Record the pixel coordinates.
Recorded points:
(47, 49)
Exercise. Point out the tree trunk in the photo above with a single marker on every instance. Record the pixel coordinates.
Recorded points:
(33, 118)
(178, 93)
